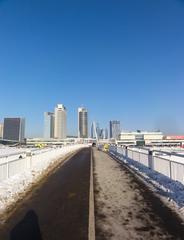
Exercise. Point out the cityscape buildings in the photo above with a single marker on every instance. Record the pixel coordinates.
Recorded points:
(14, 129)
(60, 124)
(82, 122)
(141, 138)
(114, 129)
(48, 125)
(97, 132)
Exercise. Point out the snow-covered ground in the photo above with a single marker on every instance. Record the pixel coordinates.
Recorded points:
(6, 151)
(167, 188)
(12, 188)
(9, 151)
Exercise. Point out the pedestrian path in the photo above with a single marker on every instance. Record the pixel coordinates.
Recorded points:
(121, 207)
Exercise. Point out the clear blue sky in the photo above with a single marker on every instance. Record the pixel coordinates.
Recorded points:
(122, 59)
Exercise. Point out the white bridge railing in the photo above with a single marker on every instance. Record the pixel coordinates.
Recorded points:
(12, 164)
(170, 165)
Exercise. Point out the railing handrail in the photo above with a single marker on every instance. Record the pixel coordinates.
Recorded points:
(169, 160)
(161, 157)
(12, 154)
(169, 153)
(172, 168)
(14, 160)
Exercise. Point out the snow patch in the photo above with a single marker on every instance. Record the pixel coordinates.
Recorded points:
(12, 188)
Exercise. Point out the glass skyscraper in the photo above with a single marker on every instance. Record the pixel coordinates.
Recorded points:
(48, 125)
(14, 129)
(82, 123)
(114, 129)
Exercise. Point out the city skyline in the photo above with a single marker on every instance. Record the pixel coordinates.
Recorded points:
(123, 60)
(51, 123)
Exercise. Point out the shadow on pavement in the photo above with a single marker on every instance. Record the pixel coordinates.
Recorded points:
(27, 228)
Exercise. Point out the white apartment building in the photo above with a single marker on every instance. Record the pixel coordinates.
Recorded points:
(60, 126)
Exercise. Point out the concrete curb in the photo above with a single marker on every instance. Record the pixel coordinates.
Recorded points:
(91, 226)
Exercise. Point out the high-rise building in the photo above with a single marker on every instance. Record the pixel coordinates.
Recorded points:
(82, 122)
(14, 129)
(114, 129)
(48, 125)
(1, 130)
(60, 127)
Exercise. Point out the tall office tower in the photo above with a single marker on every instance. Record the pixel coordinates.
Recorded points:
(82, 122)
(1, 130)
(48, 125)
(114, 129)
(14, 129)
(60, 130)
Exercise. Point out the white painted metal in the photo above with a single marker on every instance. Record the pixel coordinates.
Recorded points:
(168, 165)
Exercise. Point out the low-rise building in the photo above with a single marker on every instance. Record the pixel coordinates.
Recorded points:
(139, 137)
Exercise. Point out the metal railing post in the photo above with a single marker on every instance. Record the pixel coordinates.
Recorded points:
(7, 167)
(126, 152)
(150, 159)
(170, 169)
(31, 161)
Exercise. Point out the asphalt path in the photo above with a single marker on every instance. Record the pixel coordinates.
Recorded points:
(58, 208)
(126, 208)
